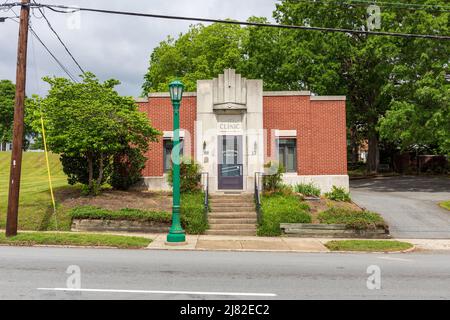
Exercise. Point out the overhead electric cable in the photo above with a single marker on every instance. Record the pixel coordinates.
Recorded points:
(53, 56)
(60, 8)
(60, 40)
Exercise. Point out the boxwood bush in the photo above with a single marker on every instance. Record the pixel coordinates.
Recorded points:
(192, 213)
(123, 214)
(359, 220)
(278, 208)
(190, 176)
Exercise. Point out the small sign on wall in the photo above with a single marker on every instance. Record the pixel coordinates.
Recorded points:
(230, 126)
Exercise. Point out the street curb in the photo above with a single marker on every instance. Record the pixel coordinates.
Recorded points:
(412, 249)
(66, 247)
(236, 250)
(211, 250)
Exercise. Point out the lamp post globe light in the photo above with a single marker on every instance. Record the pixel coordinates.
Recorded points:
(176, 233)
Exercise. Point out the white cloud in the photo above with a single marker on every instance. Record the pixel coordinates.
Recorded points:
(112, 46)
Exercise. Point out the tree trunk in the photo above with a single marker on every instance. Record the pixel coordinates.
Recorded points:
(100, 171)
(354, 146)
(91, 170)
(373, 160)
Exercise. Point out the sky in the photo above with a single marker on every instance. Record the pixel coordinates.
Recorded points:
(110, 46)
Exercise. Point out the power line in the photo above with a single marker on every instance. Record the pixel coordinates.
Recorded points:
(59, 8)
(66, 70)
(48, 50)
(3, 19)
(414, 6)
(53, 56)
(60, 40)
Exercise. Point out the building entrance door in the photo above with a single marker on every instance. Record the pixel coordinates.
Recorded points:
(231, 175)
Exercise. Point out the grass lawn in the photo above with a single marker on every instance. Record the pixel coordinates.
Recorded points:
(368, 245)
(445, 205)
(35, 210)
(75, 239)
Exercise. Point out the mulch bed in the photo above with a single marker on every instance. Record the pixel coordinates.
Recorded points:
(116, 200)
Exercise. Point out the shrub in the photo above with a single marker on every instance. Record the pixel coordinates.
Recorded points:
(192, 213)
(338, 194)
(308, 189)
(190, 175)
(123, 214)
(93, 190)
(273, 181)
(122, 172)
(76, 169)
(127, 168)
(359, 220)
(278, 209)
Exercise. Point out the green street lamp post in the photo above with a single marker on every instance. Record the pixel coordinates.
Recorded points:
(176, 233)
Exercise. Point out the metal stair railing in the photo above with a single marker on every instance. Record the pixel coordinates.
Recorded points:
(205, 179)
(258, 191)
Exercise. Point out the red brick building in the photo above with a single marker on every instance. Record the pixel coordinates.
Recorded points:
(232, 128)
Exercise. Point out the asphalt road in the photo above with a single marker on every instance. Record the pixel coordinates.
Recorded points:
(408, 204)
(220, 275)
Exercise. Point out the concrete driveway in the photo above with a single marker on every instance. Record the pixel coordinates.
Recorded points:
(408, 204)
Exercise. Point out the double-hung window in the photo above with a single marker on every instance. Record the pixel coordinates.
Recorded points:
(168, 147)
(287, 152)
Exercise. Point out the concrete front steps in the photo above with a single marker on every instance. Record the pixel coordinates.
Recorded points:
(232, 215)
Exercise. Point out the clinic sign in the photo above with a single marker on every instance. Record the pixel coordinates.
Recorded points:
(230, 128)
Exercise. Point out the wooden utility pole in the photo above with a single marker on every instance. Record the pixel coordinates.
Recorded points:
(18, 131)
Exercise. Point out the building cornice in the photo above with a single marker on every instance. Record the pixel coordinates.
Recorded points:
(265, 94)
(285, 93)
(162, 95)
(167, 94)
(328, 98)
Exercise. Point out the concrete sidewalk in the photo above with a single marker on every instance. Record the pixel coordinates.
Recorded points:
(262, 244)
(275, 244)
(233, 243)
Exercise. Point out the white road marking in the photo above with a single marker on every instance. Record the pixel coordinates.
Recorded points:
(395, 259)
(239, 294)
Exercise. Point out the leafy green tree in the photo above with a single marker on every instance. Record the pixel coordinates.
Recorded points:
(7, 94)
(375, 73)
(419, 112)
(91, 123)
(202, 53)
(354, 65)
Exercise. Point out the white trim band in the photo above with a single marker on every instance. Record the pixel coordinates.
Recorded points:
(328, 98)
(169, 134)
(286, 93)
(286, 133)
(167, 94)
